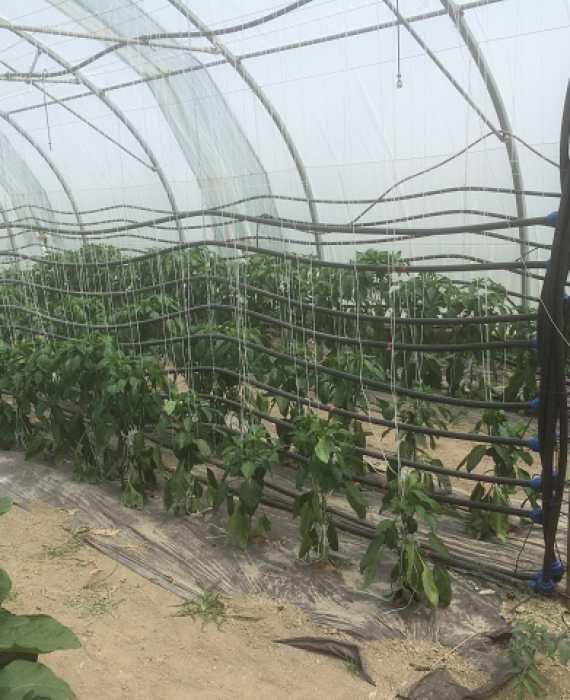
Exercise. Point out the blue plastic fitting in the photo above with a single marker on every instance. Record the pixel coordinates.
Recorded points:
(533, 445)
(534, 405)
(535, 343)
(565, 299)
(545, 588)
(539, 586)
(557, 570)
(536, 516)
(551, 219)
(547, 263)
(536, 483)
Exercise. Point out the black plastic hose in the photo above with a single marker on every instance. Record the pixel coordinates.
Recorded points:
(552, 347)
(297, 259)
(202, 369)
(269, 320)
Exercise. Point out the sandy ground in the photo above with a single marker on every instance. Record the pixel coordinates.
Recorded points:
(134, 648)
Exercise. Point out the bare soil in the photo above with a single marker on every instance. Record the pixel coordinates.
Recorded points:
(133, 646)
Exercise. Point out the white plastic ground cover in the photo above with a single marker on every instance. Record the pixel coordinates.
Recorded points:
(268, 100)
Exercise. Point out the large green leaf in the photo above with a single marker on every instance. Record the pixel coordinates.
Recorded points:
(5, 504)
(204, 448)
(438, 546)
(248, 469)
(356, 500)
(132, 498)
(429, 587)
(5, 585)
(564, 652)
(499, 521)
(22, 680)
(177, 487)
(238, 527)
(474, 457)
(283, 405)
(220, 496)
(324, 449)
(371, 561)
(35, 445)
(250, 494)
(34, 634)
(443, 584)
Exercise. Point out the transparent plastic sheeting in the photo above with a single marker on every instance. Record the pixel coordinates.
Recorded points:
(264, 101)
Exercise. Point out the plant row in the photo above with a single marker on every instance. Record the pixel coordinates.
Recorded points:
(112, 413)
(281, 305)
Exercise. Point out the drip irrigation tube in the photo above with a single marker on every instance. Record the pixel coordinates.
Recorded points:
(297, 225)
(370, 383)
(367, 525)
(435, 398)
(290, 326)
(297, 259)
(385, 456)
(426, 347)
(510, 577)
(465, 347)
(243, 286)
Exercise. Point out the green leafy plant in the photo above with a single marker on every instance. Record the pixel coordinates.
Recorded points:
(209, 606)
(22, 639)
(506, 463)
(414, 445)
(527, 640)
(184, 414)
(247, 459)
(412, 574)
(329, 459)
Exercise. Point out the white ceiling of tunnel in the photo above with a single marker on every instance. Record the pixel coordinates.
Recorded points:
(188, 104)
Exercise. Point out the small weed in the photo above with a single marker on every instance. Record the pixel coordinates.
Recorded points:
(94, 603)
(96, 597)
(71, 546)
(527, 640)
(352, 666)
(210, 607)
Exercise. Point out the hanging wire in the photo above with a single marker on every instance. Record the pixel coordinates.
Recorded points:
(46, 110)
(399, 82)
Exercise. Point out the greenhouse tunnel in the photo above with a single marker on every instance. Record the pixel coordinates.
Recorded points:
(325, 234)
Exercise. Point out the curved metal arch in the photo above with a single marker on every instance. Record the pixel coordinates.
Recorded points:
(502, 114)
(266, 102)
(117, 112)
(53, 167)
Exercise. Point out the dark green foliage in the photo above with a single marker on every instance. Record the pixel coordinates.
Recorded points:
(527, 640)
(96, 396)
(506, 461)
(408, 503)
(247, 460)
(329, 460)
